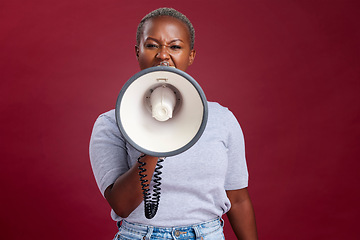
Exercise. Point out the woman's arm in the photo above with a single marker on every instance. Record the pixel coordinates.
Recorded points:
(125, 195)
(241, 214)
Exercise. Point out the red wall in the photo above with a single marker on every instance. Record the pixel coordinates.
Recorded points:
(289, 70)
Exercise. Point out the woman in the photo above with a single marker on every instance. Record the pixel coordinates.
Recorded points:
(198, 185)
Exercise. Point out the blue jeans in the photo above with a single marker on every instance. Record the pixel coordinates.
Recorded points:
(211, 230)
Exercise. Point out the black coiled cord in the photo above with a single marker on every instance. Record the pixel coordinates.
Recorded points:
(151, 203)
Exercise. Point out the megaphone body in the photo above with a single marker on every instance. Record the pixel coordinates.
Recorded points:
(161, 111)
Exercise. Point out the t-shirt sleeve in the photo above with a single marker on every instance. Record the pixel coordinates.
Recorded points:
(237, 172)
(107, 149)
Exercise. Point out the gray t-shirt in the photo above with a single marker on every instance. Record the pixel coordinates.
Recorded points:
(193, 182)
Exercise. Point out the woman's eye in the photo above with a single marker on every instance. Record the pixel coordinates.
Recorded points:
(151, 46)
(175, 47)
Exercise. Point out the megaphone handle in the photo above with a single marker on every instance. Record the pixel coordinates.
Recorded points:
(151, 203)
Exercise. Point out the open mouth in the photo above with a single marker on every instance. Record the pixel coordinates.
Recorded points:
(165, 63)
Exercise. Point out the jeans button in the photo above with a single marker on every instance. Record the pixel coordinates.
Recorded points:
(177, 233)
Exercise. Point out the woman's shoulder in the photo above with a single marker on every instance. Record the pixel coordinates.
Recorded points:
(107, 121)
(107, 116)
(216, 108)
(221, 114)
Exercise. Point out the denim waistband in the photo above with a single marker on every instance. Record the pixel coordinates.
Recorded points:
(147, 232)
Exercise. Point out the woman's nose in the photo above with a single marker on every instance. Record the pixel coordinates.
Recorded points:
(163, 53)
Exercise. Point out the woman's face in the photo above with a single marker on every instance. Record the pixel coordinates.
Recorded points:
(165, 39)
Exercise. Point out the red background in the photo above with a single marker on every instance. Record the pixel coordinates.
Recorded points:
(288, 69)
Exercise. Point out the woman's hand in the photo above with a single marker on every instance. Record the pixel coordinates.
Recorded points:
(125, 195)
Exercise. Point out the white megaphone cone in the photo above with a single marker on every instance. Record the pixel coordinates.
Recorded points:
(161, 111)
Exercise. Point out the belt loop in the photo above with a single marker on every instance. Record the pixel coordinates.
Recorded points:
(222, 222)
(173, 233)
(197, 232)
(119, 223)
(149, 233)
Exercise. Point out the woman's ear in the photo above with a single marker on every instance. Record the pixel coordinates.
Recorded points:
(192, 56)
(137, 51)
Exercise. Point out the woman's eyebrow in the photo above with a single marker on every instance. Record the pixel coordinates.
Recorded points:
(151, 38)
(156, 40)
(175, 40)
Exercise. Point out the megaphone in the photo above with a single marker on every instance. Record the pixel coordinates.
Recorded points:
(161, 111)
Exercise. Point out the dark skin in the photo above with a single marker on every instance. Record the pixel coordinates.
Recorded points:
(241, 214)
(125, 195)
(165, 39)
(168, 39)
